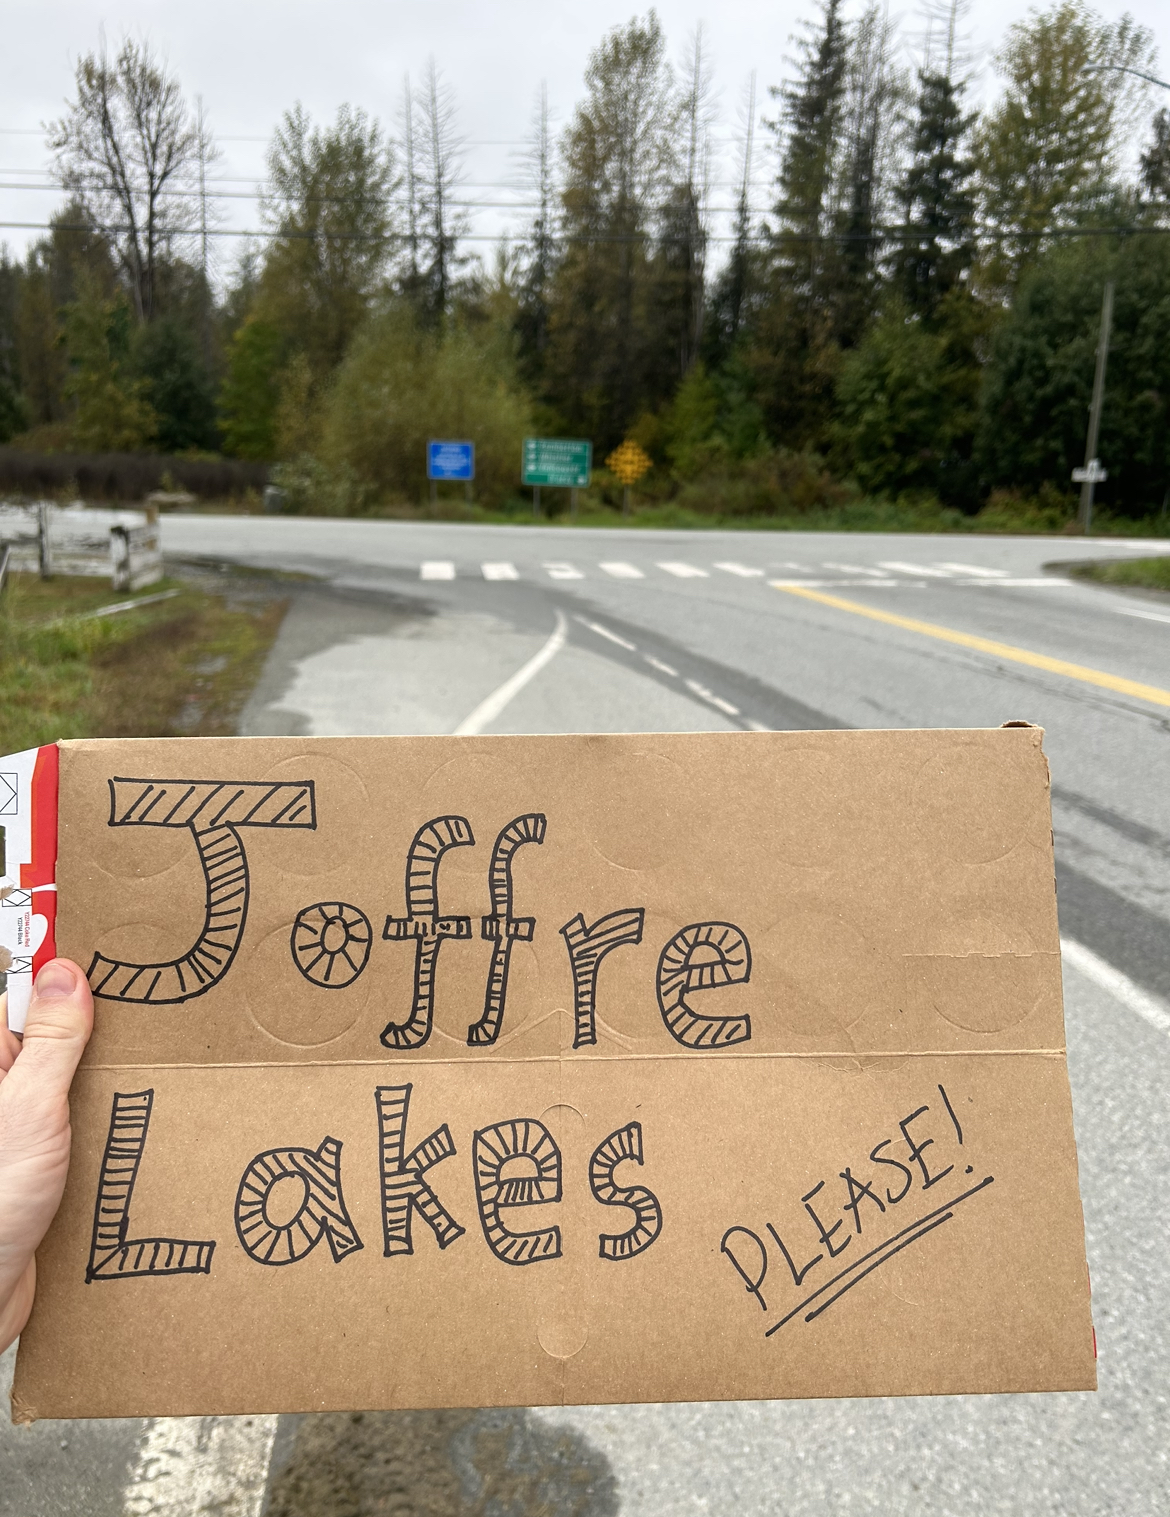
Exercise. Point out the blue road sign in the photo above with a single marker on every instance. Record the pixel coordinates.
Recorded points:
(450, 460)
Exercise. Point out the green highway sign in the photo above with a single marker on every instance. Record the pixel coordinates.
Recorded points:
(563, 462)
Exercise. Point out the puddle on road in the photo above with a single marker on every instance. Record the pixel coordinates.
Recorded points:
(441, 1464)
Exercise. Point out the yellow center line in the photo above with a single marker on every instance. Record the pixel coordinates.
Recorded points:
(1087, 676)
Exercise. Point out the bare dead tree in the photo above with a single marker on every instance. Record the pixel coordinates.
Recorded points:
(125, 146)
(441, 162)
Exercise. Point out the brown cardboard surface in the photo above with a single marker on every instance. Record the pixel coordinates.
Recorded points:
(793, 1121)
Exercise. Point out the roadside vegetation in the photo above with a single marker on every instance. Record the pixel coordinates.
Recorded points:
(899, 331)
(1139, 573)
(183, 666)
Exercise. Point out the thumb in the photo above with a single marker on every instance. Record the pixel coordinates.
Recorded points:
(60, 1020)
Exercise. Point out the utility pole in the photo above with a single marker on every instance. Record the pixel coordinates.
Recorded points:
(1092, 471)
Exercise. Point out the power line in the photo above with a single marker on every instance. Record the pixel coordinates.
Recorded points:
(877, 235)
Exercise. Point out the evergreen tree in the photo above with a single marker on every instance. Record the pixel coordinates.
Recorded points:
(1155, 166)
(937, 199)
(730, 307)
(606, 363)
(1039, 374)
(872, 94)
(538, 253)
(329, 201)
(176, 385)
(11, 404)
(111, 412)
(1050, 148)
(683, 230)
(810, 131)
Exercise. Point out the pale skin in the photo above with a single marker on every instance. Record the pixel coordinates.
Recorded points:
(35, 1076)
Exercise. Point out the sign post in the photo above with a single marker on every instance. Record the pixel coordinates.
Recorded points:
(563, 463)
(450, 460)
(1090, 475)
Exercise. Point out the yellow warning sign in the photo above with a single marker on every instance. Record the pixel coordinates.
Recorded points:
(629, 462)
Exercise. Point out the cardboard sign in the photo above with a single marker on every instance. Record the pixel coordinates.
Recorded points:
(494, 1071)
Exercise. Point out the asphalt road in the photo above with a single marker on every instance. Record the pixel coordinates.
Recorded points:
(438, 628)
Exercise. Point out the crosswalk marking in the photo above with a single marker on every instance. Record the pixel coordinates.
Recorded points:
(562, 571)
(500, 571)
(742, 570)
(622, 571)
(788, 563)
(856, 569)
(684, 571)
(975, 570)
(437, 569)
(916, 569)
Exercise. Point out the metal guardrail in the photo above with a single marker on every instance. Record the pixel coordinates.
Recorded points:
(48, 539)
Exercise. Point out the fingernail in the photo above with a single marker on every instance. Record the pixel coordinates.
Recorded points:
(55, 981)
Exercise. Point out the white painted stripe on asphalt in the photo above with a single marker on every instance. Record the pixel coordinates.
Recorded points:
(656, 663)
(1048, 582)
(684, 571)
(743, 570)
(1146, 616)
(489, 709)
(197, 1466)
(436, 568)
(857, 569)
(500, 571)
(622, 571)
(867, 584)
(904, 568)
(605, 632)
(1119, 985)
(709, 695)
(562, 571)
(976, 571)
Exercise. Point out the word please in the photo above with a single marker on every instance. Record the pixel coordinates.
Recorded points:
(291, 1198)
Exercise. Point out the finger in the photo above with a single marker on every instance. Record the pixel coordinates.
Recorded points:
(9, 1042)
(60, 1020)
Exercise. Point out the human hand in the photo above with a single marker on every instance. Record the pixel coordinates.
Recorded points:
(34, 1127)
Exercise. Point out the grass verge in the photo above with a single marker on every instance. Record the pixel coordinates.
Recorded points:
(1143, 573)
(179, 667)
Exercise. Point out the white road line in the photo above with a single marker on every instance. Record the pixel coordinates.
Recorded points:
(622, 571)
(436, 568)
(500, 571)
(1119, 985)
(562, 571)
(1016, 584)
(605, 632)
(487, 710)
(916, 569)
(976, 571)
(1146, 616)
(743, 570)
(709, 695)
(684, 571)
(199, 1466)
(845, 584)
(857, 569)
(787, 563)
(656, 663)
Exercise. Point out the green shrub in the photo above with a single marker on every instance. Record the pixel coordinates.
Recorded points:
(398, 387)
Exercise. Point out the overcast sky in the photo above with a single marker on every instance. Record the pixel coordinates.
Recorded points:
(250, 59)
